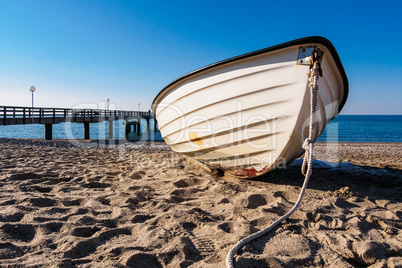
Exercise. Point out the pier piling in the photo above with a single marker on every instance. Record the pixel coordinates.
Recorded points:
(110, 130)
(48, 132)
(86, 130)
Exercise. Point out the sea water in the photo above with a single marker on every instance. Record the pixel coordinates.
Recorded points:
(344, 128)
(364, 128)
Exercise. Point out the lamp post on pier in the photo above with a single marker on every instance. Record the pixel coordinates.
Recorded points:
(32, 89)
(110, 121)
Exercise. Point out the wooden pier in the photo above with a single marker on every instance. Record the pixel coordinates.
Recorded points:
(12, 115)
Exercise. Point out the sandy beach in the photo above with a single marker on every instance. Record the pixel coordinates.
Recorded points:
(142, 205)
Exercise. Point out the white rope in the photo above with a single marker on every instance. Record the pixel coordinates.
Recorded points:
(308, 146)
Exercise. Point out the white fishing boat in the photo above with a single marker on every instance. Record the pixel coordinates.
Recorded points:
(250, 114)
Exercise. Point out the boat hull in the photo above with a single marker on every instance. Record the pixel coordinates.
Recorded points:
(250, 114)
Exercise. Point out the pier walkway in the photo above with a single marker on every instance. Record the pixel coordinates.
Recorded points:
(13, 115)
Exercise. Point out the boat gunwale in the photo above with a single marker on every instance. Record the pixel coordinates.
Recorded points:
(301, 41)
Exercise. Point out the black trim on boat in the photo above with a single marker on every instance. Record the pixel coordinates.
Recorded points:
(302, 41)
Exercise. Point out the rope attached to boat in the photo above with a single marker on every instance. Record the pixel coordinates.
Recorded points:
(308, 146)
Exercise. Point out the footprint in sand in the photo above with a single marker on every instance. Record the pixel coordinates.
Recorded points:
(24, 176)
(175, 199)
(241, 229)
(11, 214)
(51, 227)
(143, 260)
(141, 218)
(20, 232)
(41, 189)
(255, 200)
(96, 184)
(41, 202)
(137, 198)
(72, 202)
(88, 246)
(203, 243)
(136, 176)
(10, 251)
(182, 183)
(87, 231)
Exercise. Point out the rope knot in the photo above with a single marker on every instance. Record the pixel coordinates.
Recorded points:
(306, 144)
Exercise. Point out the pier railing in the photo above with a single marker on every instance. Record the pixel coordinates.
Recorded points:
(12, 115)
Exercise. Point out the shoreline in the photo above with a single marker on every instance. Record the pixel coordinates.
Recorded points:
(376, 154)
(146, 206)
(162, 141)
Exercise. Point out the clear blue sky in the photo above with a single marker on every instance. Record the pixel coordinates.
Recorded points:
(77, 51)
